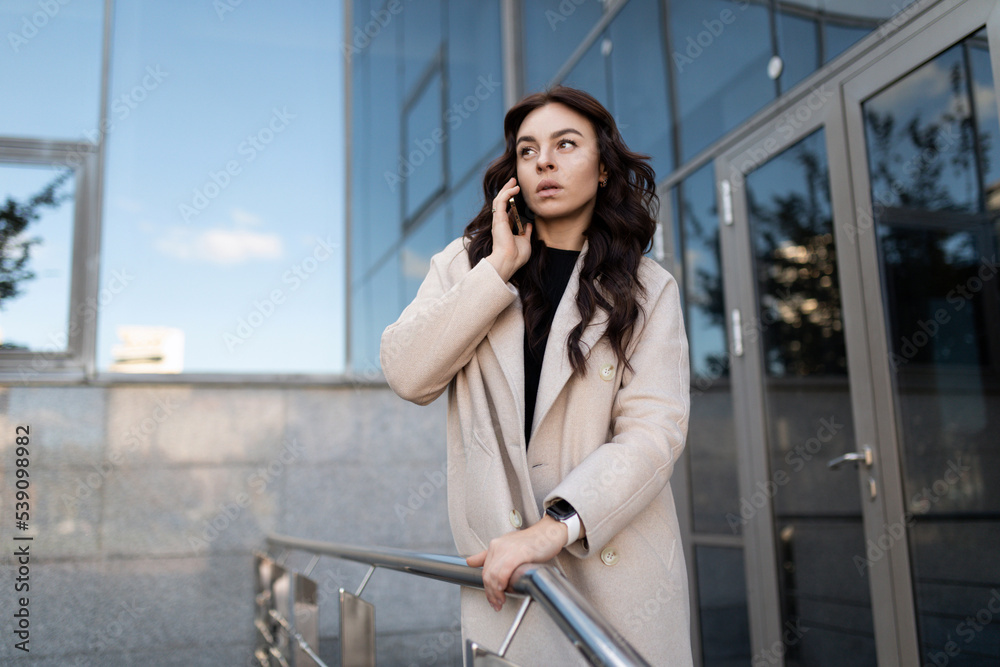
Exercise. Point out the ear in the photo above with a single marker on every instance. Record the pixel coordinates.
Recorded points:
(603, 175)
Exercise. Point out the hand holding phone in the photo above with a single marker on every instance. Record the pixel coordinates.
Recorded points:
(511, 249)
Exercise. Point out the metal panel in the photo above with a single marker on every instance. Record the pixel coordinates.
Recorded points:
(281, 604)
(263, 602)
(357, 631)
(305, 619)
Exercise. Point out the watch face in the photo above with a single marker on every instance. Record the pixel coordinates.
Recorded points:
(561, 510)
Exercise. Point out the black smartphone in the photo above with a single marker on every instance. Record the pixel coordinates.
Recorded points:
(515, 218)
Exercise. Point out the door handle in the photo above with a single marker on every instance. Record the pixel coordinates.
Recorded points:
(866, 456)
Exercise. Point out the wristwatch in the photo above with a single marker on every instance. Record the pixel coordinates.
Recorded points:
(563, 512)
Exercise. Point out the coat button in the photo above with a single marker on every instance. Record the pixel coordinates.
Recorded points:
(515, 518)
(609, 556)
(607, 371)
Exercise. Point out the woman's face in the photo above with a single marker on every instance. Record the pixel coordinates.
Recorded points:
(558, 163)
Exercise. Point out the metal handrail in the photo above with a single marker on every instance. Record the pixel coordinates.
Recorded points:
(600, 643)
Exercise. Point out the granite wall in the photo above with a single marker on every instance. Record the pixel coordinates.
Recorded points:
(148, 500)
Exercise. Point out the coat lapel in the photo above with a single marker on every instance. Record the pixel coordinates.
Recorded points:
(507, 338)
(556, 368)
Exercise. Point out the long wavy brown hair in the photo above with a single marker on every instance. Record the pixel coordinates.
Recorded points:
(620, 232)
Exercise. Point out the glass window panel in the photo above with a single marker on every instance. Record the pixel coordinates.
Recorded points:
(706, 316)
(715, 90)
(383, 144)
(985, 109)
(36, 241)
(474, 117)
(386, 302)
(422, 157)
(799, 326)
(640, 93)
(590, 74)
(722, 596)
(838, 38)
(421, 39)
(419, 247)
(711, 438)
(365, 341)
(223, 189)
(919, 139)
(52, 58)
(941, 300)
(552, 31)
(466, 202)
(799, 48)
(362, 236)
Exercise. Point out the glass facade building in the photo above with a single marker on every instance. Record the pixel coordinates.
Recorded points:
(211, 210)
(688, 83)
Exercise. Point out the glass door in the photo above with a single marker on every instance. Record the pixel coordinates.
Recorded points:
(927, 142)
(811, 479)
(860, 241)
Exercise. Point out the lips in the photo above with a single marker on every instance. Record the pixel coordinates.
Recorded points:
(547, 187)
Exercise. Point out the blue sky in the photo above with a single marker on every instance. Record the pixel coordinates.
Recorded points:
(237, 115)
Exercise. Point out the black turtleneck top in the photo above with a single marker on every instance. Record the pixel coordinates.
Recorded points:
(559, 265)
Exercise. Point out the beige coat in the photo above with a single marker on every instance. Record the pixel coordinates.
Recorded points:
(606, 442)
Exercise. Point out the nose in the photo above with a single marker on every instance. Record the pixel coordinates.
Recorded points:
(544, 161)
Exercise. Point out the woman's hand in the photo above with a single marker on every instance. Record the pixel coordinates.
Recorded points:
(510, 251)
(536, 544)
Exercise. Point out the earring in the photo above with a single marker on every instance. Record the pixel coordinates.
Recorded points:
(604, 183)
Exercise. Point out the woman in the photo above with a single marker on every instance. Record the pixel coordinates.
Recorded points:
(566, 363)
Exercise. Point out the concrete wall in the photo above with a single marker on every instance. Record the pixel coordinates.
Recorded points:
(147, 501)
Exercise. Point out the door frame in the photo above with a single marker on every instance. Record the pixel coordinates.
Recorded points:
(916, 43)
(819, 109)
(925, 29)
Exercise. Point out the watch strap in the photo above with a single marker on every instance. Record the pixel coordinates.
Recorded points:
(564, 513)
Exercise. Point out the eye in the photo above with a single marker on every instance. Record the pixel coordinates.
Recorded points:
(524, 151)
(567, 141)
